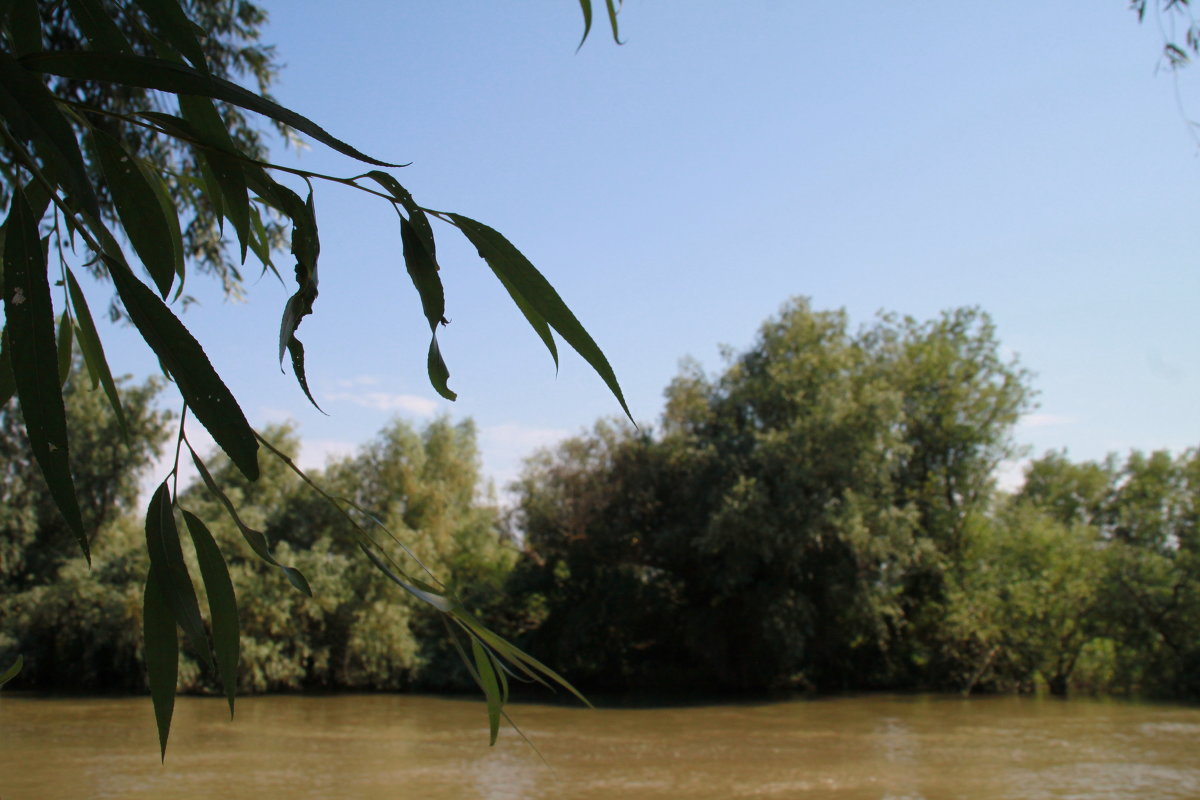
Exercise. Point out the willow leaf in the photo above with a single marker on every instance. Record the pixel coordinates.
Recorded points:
(64, 349)
(183, 357)
(8, 384)
(156, 73)
(166, 559)
(256, 539)
(96, 24)
(528, 286)
(422, 269)
(140, 210)
(222, 604)
(25, 26)
(93, 350)
(202, 115)
(13, 670)
(29, 316)
(160, 644)
(491, 689)
(172, 24)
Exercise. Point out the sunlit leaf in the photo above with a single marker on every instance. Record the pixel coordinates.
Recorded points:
(161, 654)
(206, 395)
(166, 559)
(222, 604)
(29, 316)
(93, 350)
(527, 286)
(413, 587)
(155, 73)
(256, 539)
(142, 214)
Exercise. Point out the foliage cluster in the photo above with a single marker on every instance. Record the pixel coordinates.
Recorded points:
(822, 515)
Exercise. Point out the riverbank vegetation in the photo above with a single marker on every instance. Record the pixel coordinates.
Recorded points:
(822, 514)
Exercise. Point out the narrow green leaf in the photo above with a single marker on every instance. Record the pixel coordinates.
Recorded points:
(422, 268)
(155, 73)
(202, 115)
(534, 294)
(13, 670)
(256, 539)
(64, 349)
(8, 384)
(93, 350)
(141, 213)
(172, 24)
(260, 243)
(296, 350)
(161, 653)
(170, 214)
(29, 316)
(166, 559)
(612, 20)
(432, 598)
(212, 191)
(222, 604)
(306, 248)
(586, 7)
(491, 689)
(27, 106)
(416, 214)
(98, 27)
(206, 395)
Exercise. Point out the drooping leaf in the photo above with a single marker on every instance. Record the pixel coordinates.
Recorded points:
(416, 214)
(424, 593)
(64, 349)
(142, 214)
(296, 350)
(29, 316)
(222, 604)
(161, 653)
(491, 689)
(256, 539)
(206, 395)
(612, 19)
(586, 7)
(172, 24)
(97, 26)
(13, 670)
(423, 270)
(534, 294)
(166, 559)
(156, 73)
(171, 215)
(93, 350)
(202, 115)
(28, 107)
(306, 248)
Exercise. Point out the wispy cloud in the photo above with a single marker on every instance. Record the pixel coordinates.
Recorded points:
(357, 380)
(384, 401)
(512, 436)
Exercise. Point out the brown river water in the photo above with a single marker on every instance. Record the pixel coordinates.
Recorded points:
(401, 746)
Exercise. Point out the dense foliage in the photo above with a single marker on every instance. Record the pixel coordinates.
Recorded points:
(822, 514)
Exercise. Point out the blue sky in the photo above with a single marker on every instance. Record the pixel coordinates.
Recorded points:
(1026, 157)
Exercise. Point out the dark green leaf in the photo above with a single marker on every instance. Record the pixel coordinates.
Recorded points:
(222, 604)
(491, 689)
(93, 350)
(172, 24)
(306, 248)
(612, 20)
(296, 350)
(155, 73)
(98, 27)
(170, 214)
(208, 398)
(423, 270)
(256, 540)
(8, 385)
(161, 653)
(64, 349)
(30, 330)
(141, 212)
(28, 107)
(166, 560)
(202, 115)
(423, 593)
(25, 26)
(586, 7)
(13, 671)
(416, 214)
(536, 297)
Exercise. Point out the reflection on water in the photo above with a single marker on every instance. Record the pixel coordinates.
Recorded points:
(882, 748)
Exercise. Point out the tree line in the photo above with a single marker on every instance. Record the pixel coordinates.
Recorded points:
(821, 514)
